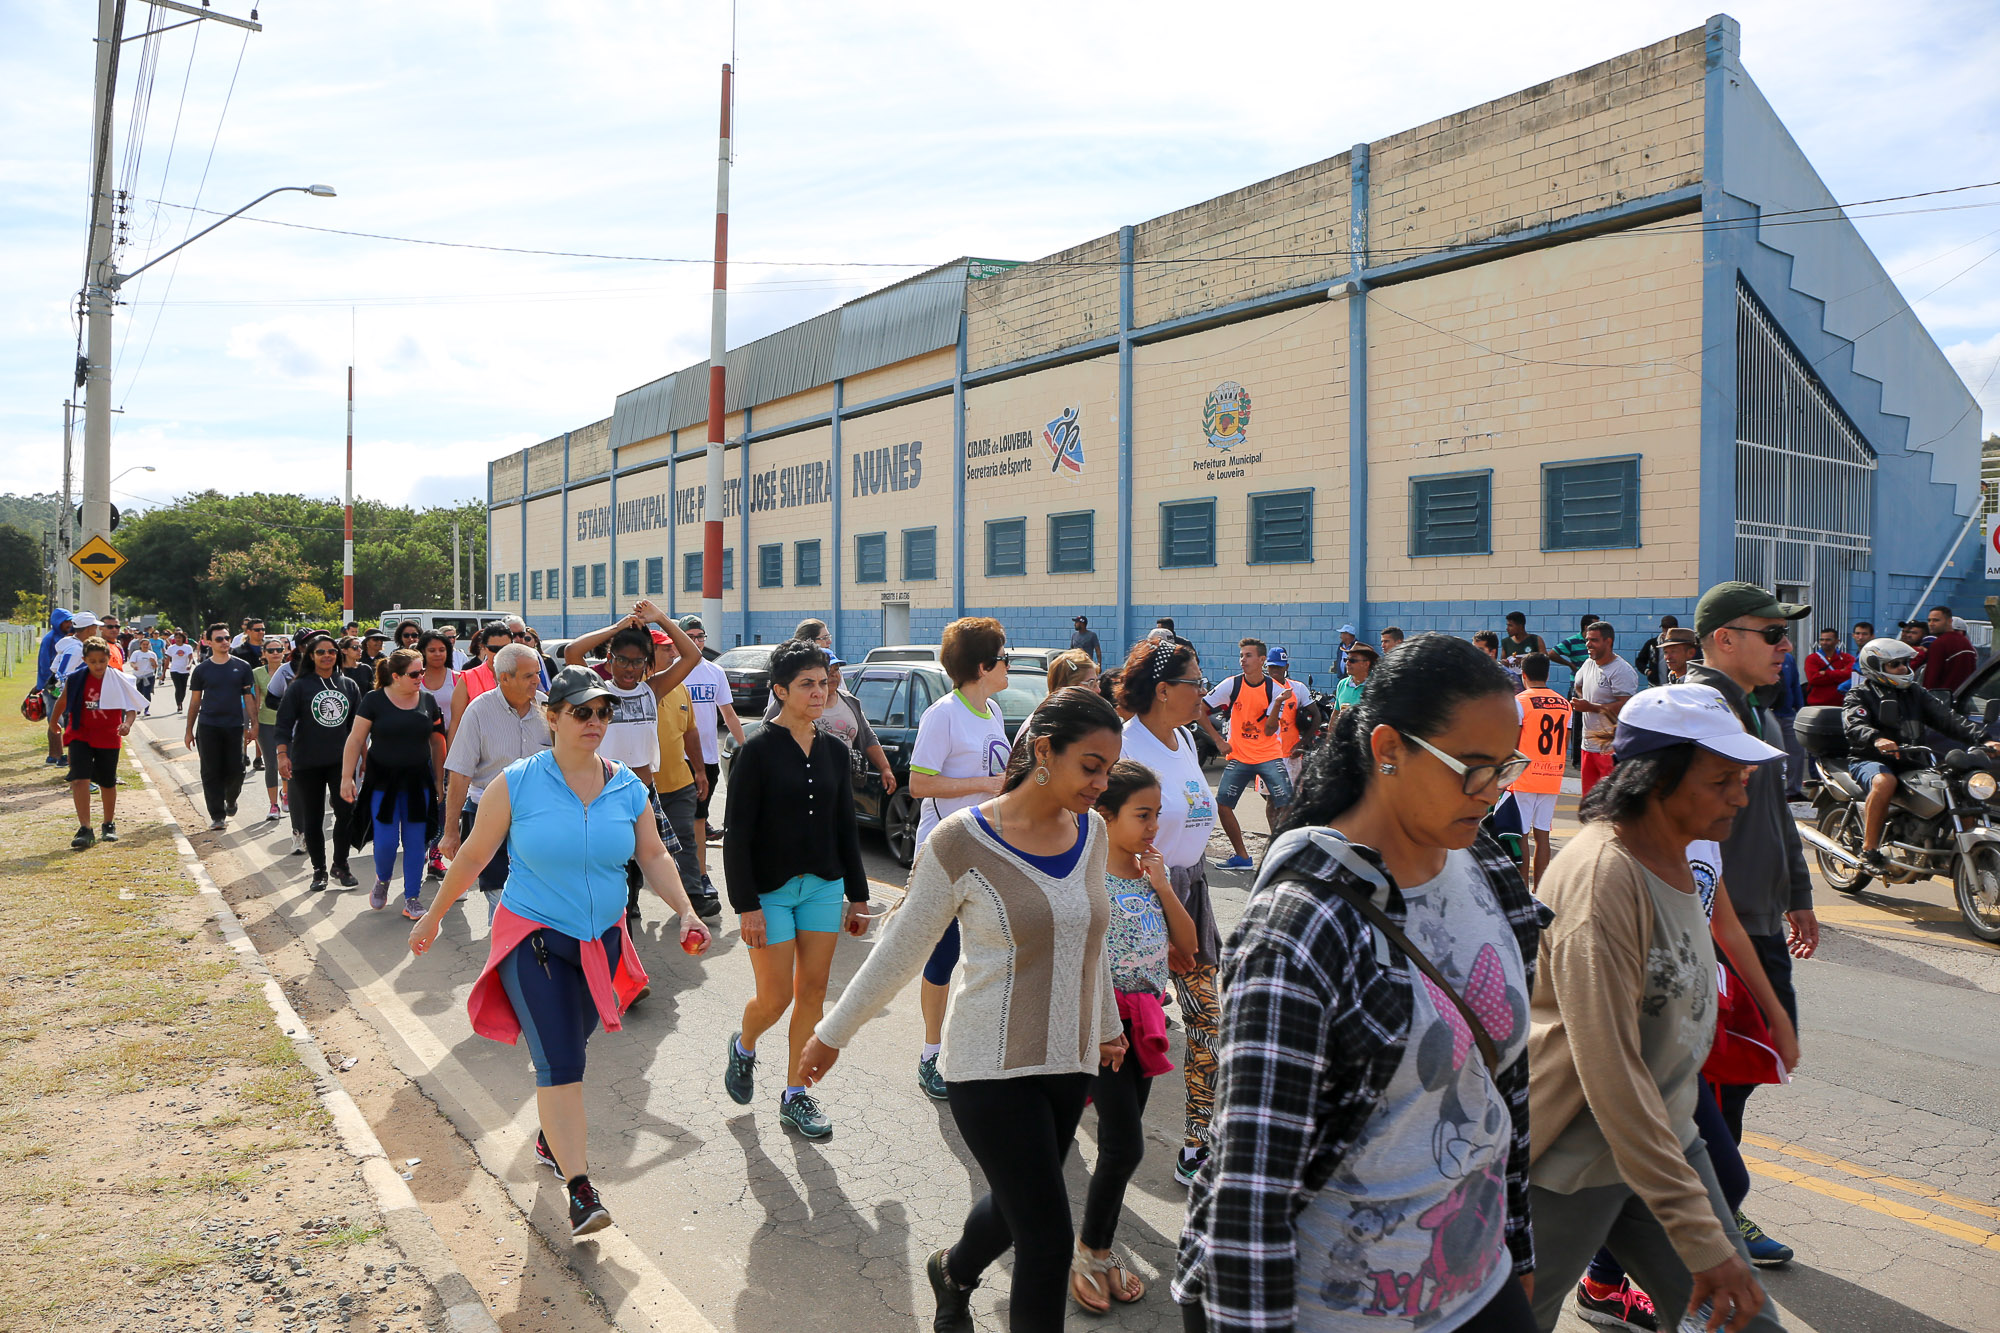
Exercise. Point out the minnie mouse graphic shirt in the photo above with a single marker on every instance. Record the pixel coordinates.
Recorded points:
(1409, 1233)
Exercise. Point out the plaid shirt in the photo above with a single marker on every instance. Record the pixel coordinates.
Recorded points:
(1313, 1028)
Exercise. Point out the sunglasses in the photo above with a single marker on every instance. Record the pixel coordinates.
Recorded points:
(1475, 779)
(584, 712)
(413, 675)
(1771, 634)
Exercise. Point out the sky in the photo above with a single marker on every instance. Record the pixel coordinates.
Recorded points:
(873, 140)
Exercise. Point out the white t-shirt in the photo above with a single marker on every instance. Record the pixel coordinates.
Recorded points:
(180, 658)
(708, 690)
(1187, 803)
(955, 742)
(633, 738)
(141, 663)
(1603, 685)
(68, 657)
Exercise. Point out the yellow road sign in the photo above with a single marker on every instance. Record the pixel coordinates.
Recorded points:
(98, 560)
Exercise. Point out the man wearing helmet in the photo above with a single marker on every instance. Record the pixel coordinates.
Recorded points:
(1882, 715)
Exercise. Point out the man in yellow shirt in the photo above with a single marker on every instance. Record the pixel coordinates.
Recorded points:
(680, 781)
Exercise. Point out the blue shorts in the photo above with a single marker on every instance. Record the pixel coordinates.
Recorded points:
(803, 902)
(1236, 776)
(1863, 771)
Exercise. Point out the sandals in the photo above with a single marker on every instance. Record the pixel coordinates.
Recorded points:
(1083, 1264)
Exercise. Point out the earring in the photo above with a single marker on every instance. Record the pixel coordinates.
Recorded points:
(1041, 777)
(1387, 768)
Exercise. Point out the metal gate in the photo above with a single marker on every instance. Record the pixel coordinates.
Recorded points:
(1803, 485)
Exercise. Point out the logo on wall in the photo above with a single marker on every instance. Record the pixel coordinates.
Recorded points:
(1225, 415)
(1064, 437)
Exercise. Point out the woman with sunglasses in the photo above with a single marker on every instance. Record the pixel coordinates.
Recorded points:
(409, 634)
(560, 960)
(314, 719)
(1370, 1163)
(354, 664)
(1160, 688)
(398, 745)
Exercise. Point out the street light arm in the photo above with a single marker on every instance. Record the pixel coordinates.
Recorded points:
(120, 279)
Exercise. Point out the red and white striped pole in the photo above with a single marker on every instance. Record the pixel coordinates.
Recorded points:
(718, 328)
(347, 516)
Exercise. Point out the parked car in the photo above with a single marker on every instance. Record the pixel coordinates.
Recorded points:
(1018, 659)
(749, 672)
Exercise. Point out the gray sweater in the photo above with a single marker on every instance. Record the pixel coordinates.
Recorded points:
(1763, 861)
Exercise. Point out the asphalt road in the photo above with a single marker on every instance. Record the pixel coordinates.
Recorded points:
(1876, 1163)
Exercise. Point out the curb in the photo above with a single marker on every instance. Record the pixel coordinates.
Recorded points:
(403, 1219)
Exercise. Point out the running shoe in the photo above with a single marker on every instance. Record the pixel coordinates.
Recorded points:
(258, 766)
(284, 803)
(318, 884)
(714, 835)
(1764, 1252)
(298, 843)
(378, 897)
(954, 1303)
(801, 1111)
(929, 1079)
(1236, 863)
(434, 869)
(1622, 1306)
(55, 759)
(273, 815)
(1186, 1168)
(230, 809)
(544, 1156)
(739, 1076)
(217, 825)
(413, 909)
(345, 877)
(587, 1212)
(109, 833)
(84, 838)
(706, 905)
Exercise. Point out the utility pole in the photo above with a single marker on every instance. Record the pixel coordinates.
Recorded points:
(457, 593)
(718, 329)
(347, 516)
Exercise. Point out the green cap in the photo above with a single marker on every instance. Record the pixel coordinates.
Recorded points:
(1733, 600)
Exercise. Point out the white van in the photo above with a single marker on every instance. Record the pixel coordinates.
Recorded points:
(467, 622)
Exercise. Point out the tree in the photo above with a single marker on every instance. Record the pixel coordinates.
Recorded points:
(30, 608)
(314, 607)
(20, 559)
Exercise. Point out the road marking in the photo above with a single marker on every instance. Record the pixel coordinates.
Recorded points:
(1868, 1173)
(1902, 1212)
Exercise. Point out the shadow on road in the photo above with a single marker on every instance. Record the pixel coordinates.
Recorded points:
(1835, 1305)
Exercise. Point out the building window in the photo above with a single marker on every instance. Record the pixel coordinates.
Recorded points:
(871, 557)
(805, 564)
(919, 553)
(771, 565)
(514, 586)
(728, 568)
(1590, 506)
(534, 585)
(1187, 534)
(691, 572)
(631, 579)
(1006, 547)
(1281, 528)
(1452, 514)
(499, 588)
(576, 575)
(656, 575)
(1072, 542)
(597, 580)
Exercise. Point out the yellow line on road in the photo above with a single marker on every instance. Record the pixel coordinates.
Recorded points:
(1902, 1212)
(1873, 1176)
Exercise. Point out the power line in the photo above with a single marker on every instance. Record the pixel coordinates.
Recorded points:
(166, 173)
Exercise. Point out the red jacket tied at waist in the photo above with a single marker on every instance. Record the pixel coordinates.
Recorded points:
(493, 1013)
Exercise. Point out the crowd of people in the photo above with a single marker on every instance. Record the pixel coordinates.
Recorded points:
(1427, 1083)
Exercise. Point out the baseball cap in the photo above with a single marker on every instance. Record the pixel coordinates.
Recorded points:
(576, 685)
(1277, 657)
(690, 622)
(1349, 629)
(1680, 714)
(84, 620)
(660, 637)
(837, 662)
(1727, 601)
(1081, 620)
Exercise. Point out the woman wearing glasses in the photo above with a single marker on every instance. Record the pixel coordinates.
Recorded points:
(398, 743)
(314, 719)
(1370, 1163)
(560, 961)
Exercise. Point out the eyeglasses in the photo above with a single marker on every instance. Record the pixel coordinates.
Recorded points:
(1195, 681)
(628, 660)
(695, 634)
(1476, 779)
(1771, 634)
(585, 712)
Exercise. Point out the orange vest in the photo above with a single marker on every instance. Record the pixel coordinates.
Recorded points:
(1247, 741)
(1544, 739)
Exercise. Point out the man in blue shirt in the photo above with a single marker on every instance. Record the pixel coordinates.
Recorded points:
(46, 683)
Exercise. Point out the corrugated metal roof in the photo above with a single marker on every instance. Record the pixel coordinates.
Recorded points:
(915, 316)
(787, 362)
(641, 413)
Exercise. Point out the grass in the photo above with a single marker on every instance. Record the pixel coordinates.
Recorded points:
(344, 1235)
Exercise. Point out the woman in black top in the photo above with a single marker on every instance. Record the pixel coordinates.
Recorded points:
(314, 718)
(792, 854)
(355, 668)
(401, 731)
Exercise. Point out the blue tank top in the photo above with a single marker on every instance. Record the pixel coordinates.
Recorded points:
(566, 860)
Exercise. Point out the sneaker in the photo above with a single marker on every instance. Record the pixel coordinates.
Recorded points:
(298, 843)
(258, 766)
(1622, 1306)
(55, 759)
(378, 897)
(740, 1075)
(84, 838)
(1764, 1252)
(230, 809)
(345, 877)
(714, 835)
(318, 884)
(544, 1156)
(801, 1111)
(587, 1212)
(954, 1303)
(1872, 860)
(644, 991)
(1236, 863)
(217, 825)
(929, 1079)
(109, 833)
(1186, 1168)
(285, 803)
(631, 914)
(274, 814)
(708, 889)
(413, 909)
(435, 868)
(708, 906)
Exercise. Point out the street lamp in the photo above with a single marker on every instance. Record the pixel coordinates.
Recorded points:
(100, 294)
(142, 467)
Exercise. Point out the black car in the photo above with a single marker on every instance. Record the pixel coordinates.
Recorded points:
(749, 672)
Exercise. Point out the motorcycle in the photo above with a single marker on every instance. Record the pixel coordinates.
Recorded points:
(1939, 822)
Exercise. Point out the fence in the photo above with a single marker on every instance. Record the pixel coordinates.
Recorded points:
(18, 646)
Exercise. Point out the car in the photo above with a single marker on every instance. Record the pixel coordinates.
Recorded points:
(1018, 659)
(749, 672)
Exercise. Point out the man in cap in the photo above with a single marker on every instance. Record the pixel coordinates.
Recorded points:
(1679, 646)
(1744, 633)
(1348, 635)
(1082, 636)
(1648, 663)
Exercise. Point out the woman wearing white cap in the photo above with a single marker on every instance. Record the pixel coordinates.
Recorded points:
(1623, 1016)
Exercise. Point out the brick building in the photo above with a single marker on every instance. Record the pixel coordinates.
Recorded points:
(1592, 346)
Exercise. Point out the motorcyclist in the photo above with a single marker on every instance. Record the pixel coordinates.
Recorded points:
(1883, 714)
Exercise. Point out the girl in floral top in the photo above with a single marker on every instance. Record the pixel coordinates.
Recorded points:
(1150, 935)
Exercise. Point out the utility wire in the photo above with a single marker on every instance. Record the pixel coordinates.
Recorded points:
(166, 173)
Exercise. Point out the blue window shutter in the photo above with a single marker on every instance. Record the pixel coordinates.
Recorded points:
(597, 580)
(871, 557)
(1281, 528)
(1590, 505)
(1452, 514)
(728, 567)
(771, 566)
(576, 585)
(805, 564)
(656, 575)
(1006, 547)
(691, 572)
(919, 553)
(630, 579)
(1187, 534)
(1072, 542)
(534, 585)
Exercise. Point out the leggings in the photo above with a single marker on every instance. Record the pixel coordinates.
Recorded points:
(392, 820)
(1020, 1131)
(1723, 1155)
(1120, 1095)
(180, 688)
(267, 746)
(1507, 1312)
(544, 981)
(311, 788)
(1195, 992)
(944, 957)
